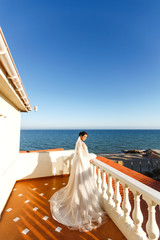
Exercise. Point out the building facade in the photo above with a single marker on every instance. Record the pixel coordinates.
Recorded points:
(13, 101)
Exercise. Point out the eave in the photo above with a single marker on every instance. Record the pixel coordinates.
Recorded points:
(11, 85)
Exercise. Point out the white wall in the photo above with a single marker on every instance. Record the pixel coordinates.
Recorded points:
(9, 147)
(33, 165)
(43, 164)
(9, 133)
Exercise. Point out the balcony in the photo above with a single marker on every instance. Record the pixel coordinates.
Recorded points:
(131, 200)
(31, 211)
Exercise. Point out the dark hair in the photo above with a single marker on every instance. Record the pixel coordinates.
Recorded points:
(82, 133)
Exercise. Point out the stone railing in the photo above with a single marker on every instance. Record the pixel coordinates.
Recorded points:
(118, 210)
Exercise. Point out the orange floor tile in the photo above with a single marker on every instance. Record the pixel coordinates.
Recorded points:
(27, 215)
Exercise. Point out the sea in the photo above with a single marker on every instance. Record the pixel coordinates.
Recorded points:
(98, 141)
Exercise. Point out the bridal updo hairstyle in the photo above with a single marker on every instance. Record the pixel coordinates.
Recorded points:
(82, 133)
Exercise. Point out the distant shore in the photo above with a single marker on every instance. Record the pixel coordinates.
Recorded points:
(138, 160)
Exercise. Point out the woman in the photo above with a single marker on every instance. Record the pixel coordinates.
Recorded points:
(78, 204)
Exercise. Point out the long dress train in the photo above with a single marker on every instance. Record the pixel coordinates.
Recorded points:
(78, 205)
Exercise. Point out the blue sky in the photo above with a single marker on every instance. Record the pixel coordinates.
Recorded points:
(87, 64)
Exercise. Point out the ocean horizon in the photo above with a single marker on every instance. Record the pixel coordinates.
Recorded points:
(99, 141)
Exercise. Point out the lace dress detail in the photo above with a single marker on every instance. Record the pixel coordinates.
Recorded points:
(78, 205)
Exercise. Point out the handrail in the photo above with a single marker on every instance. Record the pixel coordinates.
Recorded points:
(120, 210)
(144, 189)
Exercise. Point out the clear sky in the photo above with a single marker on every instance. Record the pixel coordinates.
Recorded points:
(86, 63)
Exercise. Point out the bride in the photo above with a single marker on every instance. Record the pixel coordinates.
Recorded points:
(78, 205)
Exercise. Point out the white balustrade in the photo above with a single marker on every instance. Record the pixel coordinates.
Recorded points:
(151, 226)
(137, 215)
(94, 172)
(68, 165)
(126, 206)
(110, 191)
(92, 168)
(104, 185)
(131, 227)
(117, 198)
(99, 181)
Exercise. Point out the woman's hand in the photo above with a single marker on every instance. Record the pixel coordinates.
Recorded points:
(91, 160)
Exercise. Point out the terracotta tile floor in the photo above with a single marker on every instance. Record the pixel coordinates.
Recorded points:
(27, 215)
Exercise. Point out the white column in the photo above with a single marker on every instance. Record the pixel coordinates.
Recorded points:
(68, 166)
(95, 172)
(104, 185)
(117, 198)
(151, 226)
(126, 206)
(110, 191)
(137, 215)
(99, 180)
(92, 167)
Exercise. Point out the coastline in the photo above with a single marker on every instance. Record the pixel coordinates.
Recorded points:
(142, 161)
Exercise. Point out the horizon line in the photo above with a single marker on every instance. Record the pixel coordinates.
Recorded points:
(91, 129)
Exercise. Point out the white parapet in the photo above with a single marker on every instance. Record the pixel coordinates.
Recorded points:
(33, 165)
(131, 227)
(43, 164)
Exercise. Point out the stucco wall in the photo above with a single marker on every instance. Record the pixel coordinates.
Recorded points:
(43, 164)
(9, 147)
(9, 133)
(33, 165)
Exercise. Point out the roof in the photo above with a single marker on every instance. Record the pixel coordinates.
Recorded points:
(11, 80)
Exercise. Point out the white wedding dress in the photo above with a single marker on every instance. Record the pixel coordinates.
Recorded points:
(78, 205)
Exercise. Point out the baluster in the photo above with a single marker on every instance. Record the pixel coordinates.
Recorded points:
(71, 163)
(110, 191)
(54, 171)
(95, 172)
(92, 168)
(104, 185)
(137, 215)
(126, 206)
(151, 226)
(99, 181)
(68, 164)
(117, 198)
